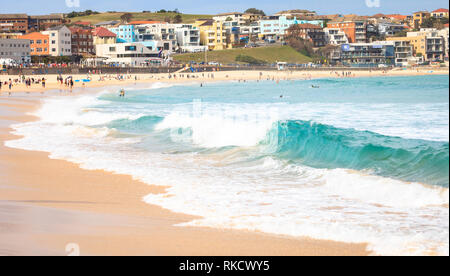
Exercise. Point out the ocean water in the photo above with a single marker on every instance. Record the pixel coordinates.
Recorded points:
(362, 160)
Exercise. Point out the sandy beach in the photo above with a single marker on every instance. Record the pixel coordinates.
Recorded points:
(102, 80)
(46, 204)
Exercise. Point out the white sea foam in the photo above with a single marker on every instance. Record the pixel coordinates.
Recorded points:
(268, 195)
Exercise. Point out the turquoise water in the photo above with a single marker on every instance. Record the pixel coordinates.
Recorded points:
(362, 160)
(320, 144)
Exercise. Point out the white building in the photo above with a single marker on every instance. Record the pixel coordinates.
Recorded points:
(335, 36)
(128, 54)
(60, 41)
(188, 38)
(17, 50)
(403, 52)
(164, 32)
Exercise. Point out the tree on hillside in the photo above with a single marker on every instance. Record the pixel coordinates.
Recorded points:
(177, 19)
(126, 17)
(302, 46)
(433, 22)
(255, 11)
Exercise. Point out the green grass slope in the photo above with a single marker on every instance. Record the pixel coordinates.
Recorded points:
(270, 54)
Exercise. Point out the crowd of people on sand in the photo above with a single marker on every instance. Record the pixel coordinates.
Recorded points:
(28, 81)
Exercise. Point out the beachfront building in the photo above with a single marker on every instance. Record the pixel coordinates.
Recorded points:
(335, 36)
(128, 54)
(354, 29)
(274, 27)
(367, 54)
(60, 41)
(418, 18)
(13, 23)
(430, 43)
(82, 42)
(102, 35)
(158, 35)
(440, 13)
(212, 34)
(17, 50)
(311, 32)
(403, 52)
(188, 38)
(39, 43)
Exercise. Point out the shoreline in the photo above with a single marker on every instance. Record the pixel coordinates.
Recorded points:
(134, 79)
(53, 203)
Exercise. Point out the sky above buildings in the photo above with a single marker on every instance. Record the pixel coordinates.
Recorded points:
(362, 7)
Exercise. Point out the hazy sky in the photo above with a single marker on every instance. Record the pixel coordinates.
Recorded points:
(213, 7)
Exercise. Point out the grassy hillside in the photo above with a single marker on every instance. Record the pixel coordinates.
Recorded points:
(96, 18)
(268, 54)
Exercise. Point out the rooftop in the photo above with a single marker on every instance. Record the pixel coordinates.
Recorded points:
(103, 32)
(441, 10)
(13, 15)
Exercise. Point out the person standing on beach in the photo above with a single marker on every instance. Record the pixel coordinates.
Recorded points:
(43, 82)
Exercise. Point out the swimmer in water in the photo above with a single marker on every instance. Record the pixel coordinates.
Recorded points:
(122, 93)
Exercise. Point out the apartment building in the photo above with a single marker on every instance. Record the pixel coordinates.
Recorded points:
(386, 28)
(311, 32)
(335, 36)
(44, 22)
(212, 34)
(39, 43)
(440, 13)
(403, 51)
(127, 54)
(354, 29)
(188, 38)
(250, 32)
(431, 42)
(124, 33)
(274, 27)
(60, 41)
(82, 42)
(367, 54)
(16, 49)
(13, 23)
(418, 18)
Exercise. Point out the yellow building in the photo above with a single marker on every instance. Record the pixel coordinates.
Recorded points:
(417, 41)
(102, 36)
(212, 34)
(418, 18)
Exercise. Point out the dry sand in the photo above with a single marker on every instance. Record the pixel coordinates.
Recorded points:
(102, 80)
